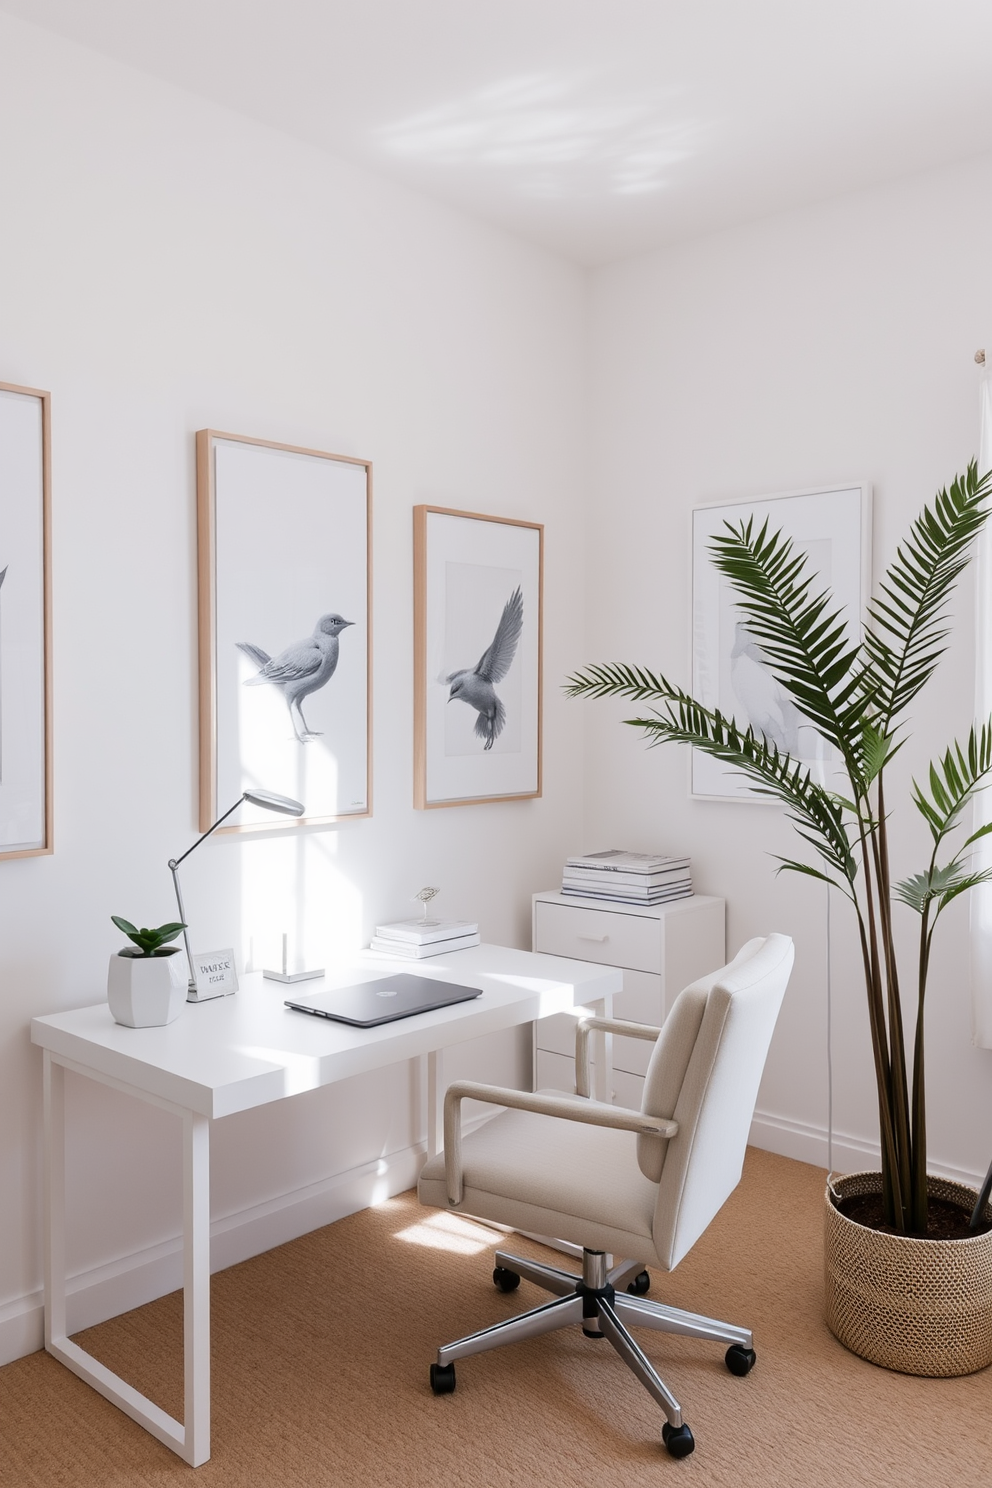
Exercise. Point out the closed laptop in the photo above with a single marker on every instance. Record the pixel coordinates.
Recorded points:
(384, 1000)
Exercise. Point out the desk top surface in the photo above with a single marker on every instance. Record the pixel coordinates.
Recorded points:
(245, 1050)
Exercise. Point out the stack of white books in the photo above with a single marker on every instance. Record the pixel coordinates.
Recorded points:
(414, 939)
(626, 877)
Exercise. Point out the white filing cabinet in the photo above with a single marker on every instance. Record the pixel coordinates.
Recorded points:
(661, 948)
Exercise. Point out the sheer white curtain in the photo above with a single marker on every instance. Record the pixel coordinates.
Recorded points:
(981, 898)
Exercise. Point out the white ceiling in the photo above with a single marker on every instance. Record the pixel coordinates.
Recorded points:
(598, 128)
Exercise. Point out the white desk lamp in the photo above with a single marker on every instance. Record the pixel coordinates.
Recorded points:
(271, 802)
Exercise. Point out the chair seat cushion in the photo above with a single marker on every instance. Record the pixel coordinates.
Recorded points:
(586, 1174)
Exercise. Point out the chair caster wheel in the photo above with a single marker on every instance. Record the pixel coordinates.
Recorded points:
(678, 1439)
(640, 1285)
(442, 1378)
(507, 1281)
(740, 1360)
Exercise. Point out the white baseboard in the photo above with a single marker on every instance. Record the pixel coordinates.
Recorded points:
(808, 1144)
(103, 1292)
(106, 1291)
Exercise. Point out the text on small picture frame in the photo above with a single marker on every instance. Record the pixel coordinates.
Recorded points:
(478, 597)
(284, 561)
(832, 527)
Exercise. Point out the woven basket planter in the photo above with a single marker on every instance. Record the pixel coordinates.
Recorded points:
(917, 1306)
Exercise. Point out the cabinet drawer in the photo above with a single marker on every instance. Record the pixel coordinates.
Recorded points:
(554, 1072)
(641, 1002)
(627, 1090)
(556, 1034)
(610, 937)
(641, 999)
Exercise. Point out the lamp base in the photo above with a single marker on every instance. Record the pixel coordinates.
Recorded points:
(293, 976)
(207, 994)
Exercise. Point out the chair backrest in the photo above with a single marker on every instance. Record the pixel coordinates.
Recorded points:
(704, 1071)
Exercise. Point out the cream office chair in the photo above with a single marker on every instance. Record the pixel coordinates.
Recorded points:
(641, 1184)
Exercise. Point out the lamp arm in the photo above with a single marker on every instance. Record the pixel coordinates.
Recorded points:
(174, 869)
(174, 862)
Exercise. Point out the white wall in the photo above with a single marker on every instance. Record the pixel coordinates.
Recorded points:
(166, 266)
(831, 344)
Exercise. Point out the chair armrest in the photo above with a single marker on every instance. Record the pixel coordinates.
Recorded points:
(568, 1107)
(585, 1026)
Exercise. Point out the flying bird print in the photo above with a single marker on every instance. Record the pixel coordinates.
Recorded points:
(476, 685)
(301, 669)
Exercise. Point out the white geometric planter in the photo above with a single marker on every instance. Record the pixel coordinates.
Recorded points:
(147, 991)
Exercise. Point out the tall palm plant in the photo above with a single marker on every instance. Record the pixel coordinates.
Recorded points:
(855, 695)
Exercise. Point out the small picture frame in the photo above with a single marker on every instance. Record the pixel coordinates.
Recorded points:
(214, 973)
(832, 526)
(285, 608)
(26, 815)
(478, 595)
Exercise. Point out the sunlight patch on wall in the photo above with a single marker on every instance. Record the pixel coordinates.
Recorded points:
(293, 886)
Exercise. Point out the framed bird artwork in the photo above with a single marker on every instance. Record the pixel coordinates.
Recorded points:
(731, 673)
(25, 622)
(284, 540)
(478, 590)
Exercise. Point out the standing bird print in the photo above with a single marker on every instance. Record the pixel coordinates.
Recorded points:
(301, 669)
(475, 686)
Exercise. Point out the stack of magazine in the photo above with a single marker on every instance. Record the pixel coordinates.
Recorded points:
(626, 877)
(412, 940)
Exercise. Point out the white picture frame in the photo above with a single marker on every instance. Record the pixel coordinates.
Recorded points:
(26, 811)
(478, 588)
(284, 546)
(832, 524)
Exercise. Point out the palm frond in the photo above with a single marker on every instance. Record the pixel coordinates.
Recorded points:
(805, 642)
(792, 865)
(681, 720)
(877, 749)
(617, 679)
(904, 638)
(918, 890)
(953, 780)
(961, 886)
(939, 884)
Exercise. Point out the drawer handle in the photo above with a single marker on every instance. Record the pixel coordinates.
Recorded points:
(597, 939)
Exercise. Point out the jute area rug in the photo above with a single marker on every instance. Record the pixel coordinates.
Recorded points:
(321, 1351)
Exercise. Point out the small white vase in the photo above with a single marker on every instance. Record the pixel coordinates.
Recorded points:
(146, 991)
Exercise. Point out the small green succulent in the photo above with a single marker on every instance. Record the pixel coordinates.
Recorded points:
(149, 942)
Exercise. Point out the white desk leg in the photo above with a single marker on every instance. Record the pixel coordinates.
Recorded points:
(54, 1106)
(196, 1287)
(602, 1053)
(435, 1102)
(190, 1439)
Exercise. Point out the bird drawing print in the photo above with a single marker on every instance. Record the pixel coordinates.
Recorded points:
(767, 706)
(301, 669)
(476, 685)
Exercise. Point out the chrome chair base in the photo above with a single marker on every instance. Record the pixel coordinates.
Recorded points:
(596, 1300)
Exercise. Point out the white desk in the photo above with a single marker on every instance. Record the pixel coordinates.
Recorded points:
(247, 1050)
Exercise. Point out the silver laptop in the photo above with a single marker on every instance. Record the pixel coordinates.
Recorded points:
(384, 1000)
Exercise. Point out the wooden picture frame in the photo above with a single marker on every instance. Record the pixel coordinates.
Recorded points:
(26, 772)
(478, 644)
(284, 543)
(832, 525)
